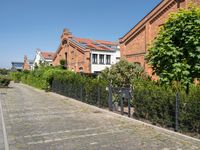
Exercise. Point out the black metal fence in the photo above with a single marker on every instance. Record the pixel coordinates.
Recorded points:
(160, 107)
(93, 94)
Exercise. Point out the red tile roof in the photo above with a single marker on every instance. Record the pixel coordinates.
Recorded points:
(106, 42)
(48, 55)
(98, 44)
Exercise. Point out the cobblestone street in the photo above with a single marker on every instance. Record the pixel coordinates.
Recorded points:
(36, 120)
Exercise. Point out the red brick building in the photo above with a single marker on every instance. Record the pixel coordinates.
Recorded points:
(81, 54)
(27, 64)
(134, 44)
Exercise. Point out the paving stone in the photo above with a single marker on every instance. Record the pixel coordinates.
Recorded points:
(36, 120)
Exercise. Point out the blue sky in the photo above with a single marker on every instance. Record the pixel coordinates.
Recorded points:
(26, 25)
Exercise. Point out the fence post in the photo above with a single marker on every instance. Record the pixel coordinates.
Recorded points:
(110, 97)
(177, 112)
(99, 98)
(129, 108)
(122, 105)
(81, 92)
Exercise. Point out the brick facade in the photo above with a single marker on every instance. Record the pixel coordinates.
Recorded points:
(134, 44)
(76, 51)
(26, 65)
(77, 59)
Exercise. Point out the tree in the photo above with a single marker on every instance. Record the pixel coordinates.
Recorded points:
(175, 53)
(122, 73)
(63, 63)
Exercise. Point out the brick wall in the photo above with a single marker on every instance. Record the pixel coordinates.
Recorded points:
(134, 44)
(26, 64)
(76, 58)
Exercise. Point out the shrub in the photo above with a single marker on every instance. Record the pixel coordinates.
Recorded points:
(87, 89)
(122, 73)
(156, 103)
(4, 81)
(16, 76)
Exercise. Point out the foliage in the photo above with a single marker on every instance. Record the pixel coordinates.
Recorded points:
(4, 71)
(122, 73)
(175, 53)
(156, 103)
(87, 89)
(63, 63)
(152, 101)
(68, 83)
(16, 76)
(4, 81)
(39, 78)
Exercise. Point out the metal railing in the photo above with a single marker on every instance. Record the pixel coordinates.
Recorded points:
(94, 95)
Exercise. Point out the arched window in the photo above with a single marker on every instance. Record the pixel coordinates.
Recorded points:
(64, 42)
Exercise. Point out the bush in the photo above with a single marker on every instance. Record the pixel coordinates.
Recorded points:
(4, 81)
(16, 76)
(190, 111)
(40, 78)
(152, 101)
(87, 89)
(156, 103)
(121, 73)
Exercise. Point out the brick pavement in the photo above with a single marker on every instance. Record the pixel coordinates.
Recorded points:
(36, 120)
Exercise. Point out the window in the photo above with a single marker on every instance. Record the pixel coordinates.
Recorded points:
(64, 42)
(94, 58)
(101, 59)
(108, 59)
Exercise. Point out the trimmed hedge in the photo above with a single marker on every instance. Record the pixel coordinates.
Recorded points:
(156, 104)
(152, 102)
(16, 76)
(4, 81)
(87, 89)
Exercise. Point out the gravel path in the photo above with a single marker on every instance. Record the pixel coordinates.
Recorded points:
(36, 120)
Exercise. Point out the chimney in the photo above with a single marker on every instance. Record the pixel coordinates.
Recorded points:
(66, 34)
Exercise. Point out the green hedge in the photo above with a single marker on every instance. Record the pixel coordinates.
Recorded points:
(16, 76)
(4, 81)
(87, 89)
(152, 102)
(156, 104)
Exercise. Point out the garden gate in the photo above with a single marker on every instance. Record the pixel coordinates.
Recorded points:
(122, 95)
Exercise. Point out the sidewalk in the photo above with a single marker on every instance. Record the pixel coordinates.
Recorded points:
(38, 120)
